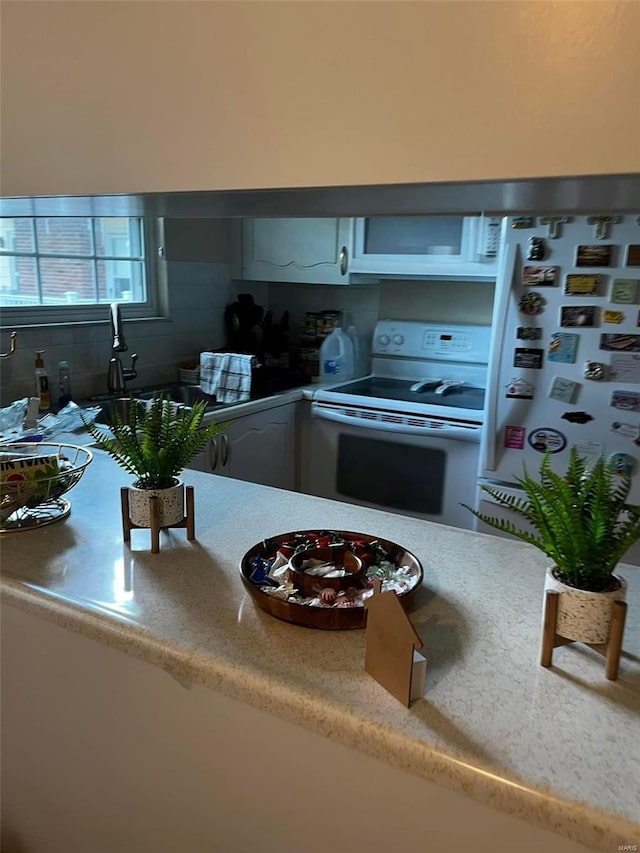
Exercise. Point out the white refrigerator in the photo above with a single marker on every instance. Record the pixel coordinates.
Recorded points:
(564, 368)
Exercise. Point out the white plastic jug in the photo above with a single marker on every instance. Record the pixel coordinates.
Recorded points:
(336, 357)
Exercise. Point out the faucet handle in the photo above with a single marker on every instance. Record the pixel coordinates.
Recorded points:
(130, 372)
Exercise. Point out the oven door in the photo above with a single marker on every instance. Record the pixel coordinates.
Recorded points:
(420, 475)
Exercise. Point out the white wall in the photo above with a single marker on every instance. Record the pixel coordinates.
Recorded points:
(438, 301)
(106, 97)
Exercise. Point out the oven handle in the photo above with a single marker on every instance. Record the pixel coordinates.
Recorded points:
(448, 431)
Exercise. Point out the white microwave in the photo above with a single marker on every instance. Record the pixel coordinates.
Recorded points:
(426, 246)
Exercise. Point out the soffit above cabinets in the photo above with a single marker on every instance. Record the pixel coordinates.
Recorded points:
(611, 193)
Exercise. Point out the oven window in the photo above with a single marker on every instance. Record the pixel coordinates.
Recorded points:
(391, 474)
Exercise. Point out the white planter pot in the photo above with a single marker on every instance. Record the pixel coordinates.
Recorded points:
(170, 505)
(584, 616)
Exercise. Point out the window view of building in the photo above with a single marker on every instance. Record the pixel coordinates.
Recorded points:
(71, 260)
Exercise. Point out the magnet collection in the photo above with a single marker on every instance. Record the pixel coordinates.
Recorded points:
(563, 345)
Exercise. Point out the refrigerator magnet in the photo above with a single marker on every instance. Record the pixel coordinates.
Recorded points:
(622, 463)
(547, 440)
(514, 437)
(578, 315)
(577, 417)
(633, 255)
(529, 333)
(523, 222)
(602, 224)
(624, 290)
(594, 256)
(595, 370)
(625, 367)
(563, 390)
(537, 249)
(614, 317)
(553, 224)
(562, 347)
(620, 343)
(532, 303)
(520, 389)
(627, 430)
(528, 357)
(590, 451)
(582, 285)
(627, 400)
(539, 276)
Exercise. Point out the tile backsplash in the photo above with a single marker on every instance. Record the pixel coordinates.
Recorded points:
(198, 293)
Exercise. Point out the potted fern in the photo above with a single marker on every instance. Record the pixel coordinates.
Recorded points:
(581, 520)
(154, 442)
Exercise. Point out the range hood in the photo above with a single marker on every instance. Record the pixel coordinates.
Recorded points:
(566, 195)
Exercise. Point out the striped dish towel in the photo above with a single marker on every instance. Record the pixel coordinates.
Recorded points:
(226, 375)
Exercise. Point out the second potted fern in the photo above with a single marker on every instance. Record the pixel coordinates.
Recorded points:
(581, 520)
(154, 443)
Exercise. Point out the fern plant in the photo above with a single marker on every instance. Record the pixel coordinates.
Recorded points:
(581, 519)
(155, 442)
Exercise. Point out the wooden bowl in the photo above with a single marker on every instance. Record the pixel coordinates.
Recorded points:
(341, 557)
(324, 618)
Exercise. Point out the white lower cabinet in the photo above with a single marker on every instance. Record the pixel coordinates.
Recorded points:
(259, 448)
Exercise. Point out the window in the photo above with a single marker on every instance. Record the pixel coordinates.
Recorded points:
(60, 269)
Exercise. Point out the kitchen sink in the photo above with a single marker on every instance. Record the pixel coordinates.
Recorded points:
(181, 395)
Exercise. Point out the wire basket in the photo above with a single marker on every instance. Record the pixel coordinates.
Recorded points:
(34, 478)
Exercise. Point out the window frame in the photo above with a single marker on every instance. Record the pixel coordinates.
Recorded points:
(155, 306)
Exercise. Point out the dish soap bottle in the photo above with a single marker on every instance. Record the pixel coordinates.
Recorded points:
(42, 383)
(64, 384)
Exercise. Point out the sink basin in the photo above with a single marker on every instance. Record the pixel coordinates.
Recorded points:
(182, 395)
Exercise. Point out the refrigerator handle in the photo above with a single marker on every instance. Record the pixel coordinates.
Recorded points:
(508, 265)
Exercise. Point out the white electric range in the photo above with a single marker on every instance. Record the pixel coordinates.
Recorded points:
(406, 438)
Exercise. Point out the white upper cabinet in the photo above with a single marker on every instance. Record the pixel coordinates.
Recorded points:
(350, 251)
(316, 251)
(463, 247)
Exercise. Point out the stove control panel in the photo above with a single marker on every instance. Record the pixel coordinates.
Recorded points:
(408, 339)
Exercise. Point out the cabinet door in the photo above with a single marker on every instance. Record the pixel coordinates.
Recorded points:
(300, 250)
(260, 448)
(463, 247)
(202, 461)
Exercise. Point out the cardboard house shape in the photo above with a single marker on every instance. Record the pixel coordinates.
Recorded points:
(390, 650)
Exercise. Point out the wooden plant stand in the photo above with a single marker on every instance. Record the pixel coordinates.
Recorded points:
(610, 650)
(127, 525)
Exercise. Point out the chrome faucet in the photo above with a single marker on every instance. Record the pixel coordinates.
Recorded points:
(117, 375)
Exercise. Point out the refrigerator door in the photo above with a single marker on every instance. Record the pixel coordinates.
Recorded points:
(487, 505)
(550, 316)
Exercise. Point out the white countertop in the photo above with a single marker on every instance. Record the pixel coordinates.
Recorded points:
(557, 747)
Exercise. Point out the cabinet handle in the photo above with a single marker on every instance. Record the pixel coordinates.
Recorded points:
(344, 260)
(213, 454)
(225, 449)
